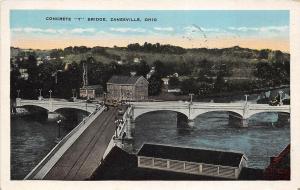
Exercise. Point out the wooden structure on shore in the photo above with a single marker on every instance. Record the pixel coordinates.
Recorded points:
(192, 161)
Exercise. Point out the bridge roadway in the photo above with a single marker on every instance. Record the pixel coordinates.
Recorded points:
(85, 154)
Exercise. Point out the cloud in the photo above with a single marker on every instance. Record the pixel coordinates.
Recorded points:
(83, 30)
(164, 29)
(192, 29)
(123, 30)
(54, 31)
(276, 29)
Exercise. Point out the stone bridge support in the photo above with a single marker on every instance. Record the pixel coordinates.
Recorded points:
(130, 124)
(183, 121)
(235, 120)
(282, 119)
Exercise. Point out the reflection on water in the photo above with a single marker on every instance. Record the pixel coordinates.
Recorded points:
(259, 141)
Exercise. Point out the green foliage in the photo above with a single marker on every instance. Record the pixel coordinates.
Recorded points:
(189, 86)
(155, 85)
(274, 73)
(198, 68)
(174, 82)
(148, 47)
(142, 68)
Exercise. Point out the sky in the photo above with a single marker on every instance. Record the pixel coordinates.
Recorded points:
(257, 29)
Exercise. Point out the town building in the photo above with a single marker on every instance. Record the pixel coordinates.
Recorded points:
(212, 163)
(132, 88)
(91, 91)
(151, 72)
(24, 73)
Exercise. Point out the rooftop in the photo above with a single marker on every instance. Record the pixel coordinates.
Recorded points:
(92, 87)
(120, 165)
(191, 155)
(116, 79)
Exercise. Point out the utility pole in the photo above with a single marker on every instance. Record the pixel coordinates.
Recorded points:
(191, 96)
(85, 75)
(50, 92)
(18, 91)
(280, 97)
(246, 97)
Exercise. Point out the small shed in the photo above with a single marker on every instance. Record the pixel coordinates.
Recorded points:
(192, 161)
(91, 91)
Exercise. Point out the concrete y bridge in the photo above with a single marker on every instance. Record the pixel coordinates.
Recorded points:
(79, 153)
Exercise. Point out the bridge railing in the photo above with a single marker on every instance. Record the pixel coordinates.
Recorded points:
(122, 126)
(41, 165)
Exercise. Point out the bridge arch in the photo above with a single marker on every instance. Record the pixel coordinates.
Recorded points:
(141, 112)
(71, 109)
(198, 113)
(181, 119)
(281, 119)
(41, 107)
(251, 114)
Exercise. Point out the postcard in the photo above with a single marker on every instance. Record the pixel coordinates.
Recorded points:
(141, 95)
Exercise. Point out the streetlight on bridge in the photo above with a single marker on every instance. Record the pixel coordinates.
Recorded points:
(58, 130)
(280, 97)
(18, 91)
(73, 94)
(50, 92)
(40, 97)
(246, 98)
(191, 97)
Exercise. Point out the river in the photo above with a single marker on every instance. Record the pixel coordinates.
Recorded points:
(32, 138)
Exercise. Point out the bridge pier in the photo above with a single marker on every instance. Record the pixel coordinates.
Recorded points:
(237, 121)
(191, 123)
(52, 116)
(282, 119)
(245, 123)
(183, 121)
(129, 126)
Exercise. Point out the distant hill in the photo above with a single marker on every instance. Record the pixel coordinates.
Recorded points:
(241, 61)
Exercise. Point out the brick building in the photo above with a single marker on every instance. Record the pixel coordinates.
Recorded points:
(133, 88)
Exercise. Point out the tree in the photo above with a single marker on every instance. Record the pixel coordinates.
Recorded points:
(142, 68)
(161, 69)
(32, 67)
(189, 86)
(219, 84)
(264, 53)
(264, 71)
(14, 80)
(155, 84)
(174, 82)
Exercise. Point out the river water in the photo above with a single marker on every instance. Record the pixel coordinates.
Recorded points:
(31, 140)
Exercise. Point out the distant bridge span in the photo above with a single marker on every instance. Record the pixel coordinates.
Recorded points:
(53, 105)
(191, 110)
